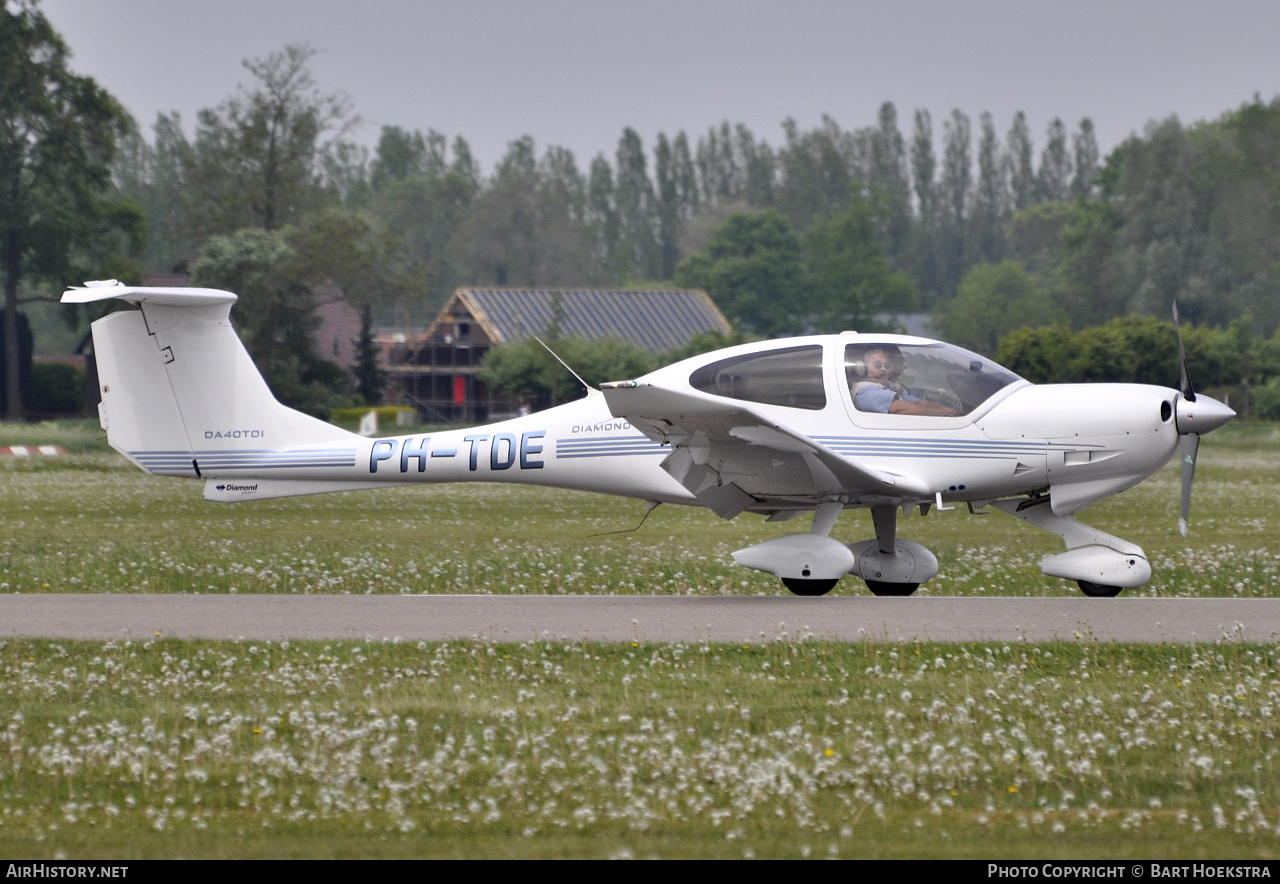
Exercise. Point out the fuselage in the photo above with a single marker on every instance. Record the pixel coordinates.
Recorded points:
(1008, 437)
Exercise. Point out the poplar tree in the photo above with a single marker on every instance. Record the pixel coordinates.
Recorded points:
(956, 188)
(602, 218)
(1085, 147)
(889, 182)
(668, 206)
(924, 165)
(991, 195)
(957, 167)
(635, 205)
(685, 174)
(759, 168)
(1055, 164)
(1022, 176)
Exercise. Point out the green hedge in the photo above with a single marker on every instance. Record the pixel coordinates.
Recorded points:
(386, 414)
(1266, 401)
(56, 388)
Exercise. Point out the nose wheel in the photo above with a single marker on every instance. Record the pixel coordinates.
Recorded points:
(1099, 590)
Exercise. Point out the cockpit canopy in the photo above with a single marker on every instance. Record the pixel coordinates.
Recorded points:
(948, 376)
(953, 379)
(790, 376)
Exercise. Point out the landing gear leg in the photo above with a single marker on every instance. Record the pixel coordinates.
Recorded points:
(1101, 564)
(885, 519)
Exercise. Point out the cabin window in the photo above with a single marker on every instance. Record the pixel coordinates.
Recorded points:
(790, 377)
(931, 379)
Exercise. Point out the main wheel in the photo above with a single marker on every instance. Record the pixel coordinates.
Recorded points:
(880, 587)
(809, 587)
(1099, 590)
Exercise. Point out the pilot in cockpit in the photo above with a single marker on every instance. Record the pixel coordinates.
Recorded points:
(873, 382)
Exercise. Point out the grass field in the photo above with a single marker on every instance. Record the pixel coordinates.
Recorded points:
(168, 749)
(92, 522)
(790, 749)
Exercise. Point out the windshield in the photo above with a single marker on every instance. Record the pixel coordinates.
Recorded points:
(932, 379)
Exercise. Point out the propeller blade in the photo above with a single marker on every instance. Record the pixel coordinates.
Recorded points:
(1188, 447)
(1188, 392)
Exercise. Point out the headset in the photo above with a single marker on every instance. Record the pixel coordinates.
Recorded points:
(897, 362)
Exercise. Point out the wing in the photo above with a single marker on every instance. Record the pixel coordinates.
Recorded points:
(732, 458)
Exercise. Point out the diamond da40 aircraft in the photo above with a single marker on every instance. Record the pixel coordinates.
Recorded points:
(782, 428)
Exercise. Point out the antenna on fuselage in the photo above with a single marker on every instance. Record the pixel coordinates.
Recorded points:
(653, 505)
(590, 389)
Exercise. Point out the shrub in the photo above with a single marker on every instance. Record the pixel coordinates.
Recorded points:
(386, 414)
(56, 388)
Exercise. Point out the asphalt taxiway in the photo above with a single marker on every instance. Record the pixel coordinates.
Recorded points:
(636, 618)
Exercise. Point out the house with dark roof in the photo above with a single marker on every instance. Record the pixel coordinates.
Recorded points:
(439, 374)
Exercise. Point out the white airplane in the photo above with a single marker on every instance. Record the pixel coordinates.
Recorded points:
(780, 428)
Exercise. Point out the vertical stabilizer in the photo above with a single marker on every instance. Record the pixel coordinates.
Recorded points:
(178, 385)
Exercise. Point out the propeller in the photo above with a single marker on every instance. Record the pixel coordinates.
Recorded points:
(1195, 417)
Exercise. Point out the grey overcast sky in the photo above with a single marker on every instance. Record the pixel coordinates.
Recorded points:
(574, 73)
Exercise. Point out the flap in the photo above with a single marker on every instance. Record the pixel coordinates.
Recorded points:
(718, 441)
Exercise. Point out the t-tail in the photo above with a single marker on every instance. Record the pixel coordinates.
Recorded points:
(182, 397)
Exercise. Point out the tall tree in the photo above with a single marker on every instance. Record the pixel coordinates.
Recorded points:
(602, 220)
(427, 210)
(668, 206)
(1161, 241)
(1019, 156)
(815, 173)
(1084, 145)
(957, 199)
(1055, 164)
(991, 196)
(924, 164)
(924, 170)
(889, 182)
(152, 176)
(522, 230)
(256, 158)
(957, 167)
(370, 376)
(760, 168)
(685, 174)
(58, 132)
(721, 164)
(635, 202)
(559, 170)
(399, 155)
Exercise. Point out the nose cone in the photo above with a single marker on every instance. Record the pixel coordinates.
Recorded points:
(1204, 415)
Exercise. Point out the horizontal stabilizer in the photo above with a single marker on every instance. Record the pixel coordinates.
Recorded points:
(165, 297)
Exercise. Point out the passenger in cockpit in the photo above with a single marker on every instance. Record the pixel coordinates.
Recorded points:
(875, 387)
